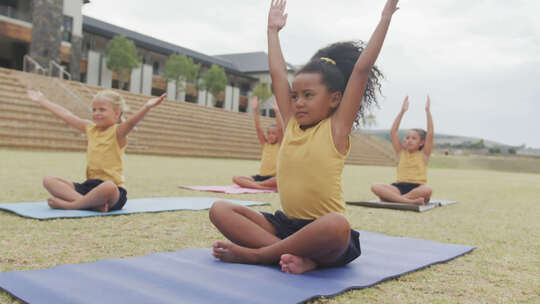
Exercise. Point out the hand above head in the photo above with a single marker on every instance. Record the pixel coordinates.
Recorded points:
(275, 106)
(254, 102)
(390, 8)
(428, 104)
(276, 16)
(405, 106)
(155, 101)
(35, 95)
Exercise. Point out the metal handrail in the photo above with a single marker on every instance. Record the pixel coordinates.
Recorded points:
(54, 64)
(76, 97)
(36, 66)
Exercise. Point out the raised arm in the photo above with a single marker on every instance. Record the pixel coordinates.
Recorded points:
(128, 125)
(428, 142)
(396, 141)
(59, 111)
(260, 132)
(278, 120)
(354, 91)
(278, 68)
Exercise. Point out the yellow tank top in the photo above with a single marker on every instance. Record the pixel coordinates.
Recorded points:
(269, 159)
(309, 171)
(104, 156)
(411, 168)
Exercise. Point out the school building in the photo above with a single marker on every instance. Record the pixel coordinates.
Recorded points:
(53, 37)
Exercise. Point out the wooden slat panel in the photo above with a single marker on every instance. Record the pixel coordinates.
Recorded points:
(15, 31)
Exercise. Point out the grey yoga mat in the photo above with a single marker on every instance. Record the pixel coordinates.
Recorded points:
(194, 276)
(399, 206)
(42, 211)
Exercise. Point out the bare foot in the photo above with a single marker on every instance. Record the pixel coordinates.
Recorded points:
(295, 264)
(418, 201)
(53, 204)
(102, 208)
(232, 253)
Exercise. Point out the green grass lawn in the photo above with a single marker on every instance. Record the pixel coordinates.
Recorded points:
(497, 211)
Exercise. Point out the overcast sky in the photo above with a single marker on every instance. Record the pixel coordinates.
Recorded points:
(479, 59)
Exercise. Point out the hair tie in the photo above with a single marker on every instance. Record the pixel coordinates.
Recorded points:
(329, 60)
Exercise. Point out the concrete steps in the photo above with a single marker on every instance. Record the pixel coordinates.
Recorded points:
(173, 128)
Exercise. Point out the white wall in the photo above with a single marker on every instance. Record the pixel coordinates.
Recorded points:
(201, 98)
(92, 73)
(228, 99)
(73, 8)
(171, 90)
(235, 98)
(135, 81)
(106, 74)
(146, 80)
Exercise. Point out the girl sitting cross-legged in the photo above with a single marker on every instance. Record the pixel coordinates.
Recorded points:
(107, 139)
(266, 179)
(413, 154)
(319, 112)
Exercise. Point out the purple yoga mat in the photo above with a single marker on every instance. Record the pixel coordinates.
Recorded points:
(194, 276)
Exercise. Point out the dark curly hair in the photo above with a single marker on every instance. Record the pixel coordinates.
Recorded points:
(336, 76)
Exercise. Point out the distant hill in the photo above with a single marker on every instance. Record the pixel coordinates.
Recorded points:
(441, 139)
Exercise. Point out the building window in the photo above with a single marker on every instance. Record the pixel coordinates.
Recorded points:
(155, 68)
(68, 28)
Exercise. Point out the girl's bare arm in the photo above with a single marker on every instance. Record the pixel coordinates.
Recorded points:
(278, 68)
(352, 98)
(59, 111)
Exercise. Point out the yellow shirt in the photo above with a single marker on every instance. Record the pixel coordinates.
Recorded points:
(411, 168)
(104, 156)
(269, 159)
(309, 171)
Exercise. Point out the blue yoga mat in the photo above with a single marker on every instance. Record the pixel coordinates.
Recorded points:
(42, 211)
(194, 276)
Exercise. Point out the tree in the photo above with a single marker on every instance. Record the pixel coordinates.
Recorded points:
(369, 120)
(214, 81)
(512, 151)
(122, 57)
(181, 69)
(262, 91)
(479, 145)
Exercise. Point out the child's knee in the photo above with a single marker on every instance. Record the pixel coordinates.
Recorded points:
(47, 181)
(338, 226)
(109, 188)
(218, 208)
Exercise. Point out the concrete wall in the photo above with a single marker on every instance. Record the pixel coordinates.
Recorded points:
(106, 74)
(228, 99)
(235, 98)
(201, 98)
(146, 88)
(92, 73)
(73, 8)
(171, 90)
(135, 81)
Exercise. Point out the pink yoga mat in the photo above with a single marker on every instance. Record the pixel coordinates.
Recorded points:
(232, 189)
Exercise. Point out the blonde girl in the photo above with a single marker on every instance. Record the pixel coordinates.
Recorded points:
(266, 179)
(107, 139)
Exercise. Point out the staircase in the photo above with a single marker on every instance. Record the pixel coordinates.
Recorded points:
(173, 128)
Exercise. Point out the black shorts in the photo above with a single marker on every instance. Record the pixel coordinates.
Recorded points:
(286, 226)
(405, 188)
(261, 178)
(90, 184)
